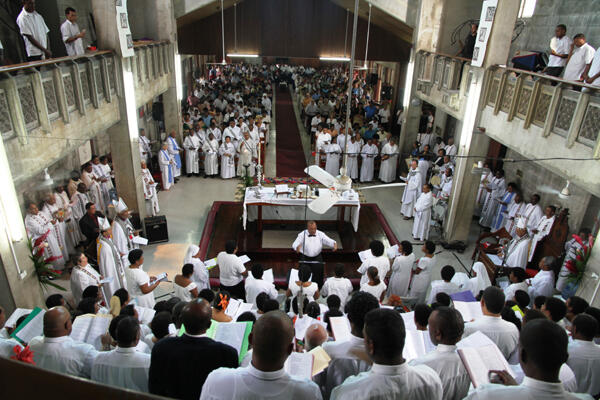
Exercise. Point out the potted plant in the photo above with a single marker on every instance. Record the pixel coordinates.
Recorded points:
(576, 267)
(44, 270)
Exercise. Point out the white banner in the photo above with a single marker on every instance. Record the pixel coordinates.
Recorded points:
(488, 12)
(125, 38)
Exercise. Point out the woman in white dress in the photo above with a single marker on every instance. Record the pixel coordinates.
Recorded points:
(375, 286)
(184, 287)
(227, 153)
(401, 269)
(82, 276)
(309, 289)
(422, 272)
(200, 276)
(139, 284)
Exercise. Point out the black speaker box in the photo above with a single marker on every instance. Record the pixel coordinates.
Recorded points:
(156, 229)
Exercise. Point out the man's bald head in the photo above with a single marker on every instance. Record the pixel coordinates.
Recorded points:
(57, 322)
(271, 340)
(196, 316)
(315, 336)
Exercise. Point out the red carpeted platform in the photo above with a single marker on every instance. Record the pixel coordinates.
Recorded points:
(290, 155)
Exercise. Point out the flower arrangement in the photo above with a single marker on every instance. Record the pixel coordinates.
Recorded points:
(42, 265)
(24, 355)
(576, 267)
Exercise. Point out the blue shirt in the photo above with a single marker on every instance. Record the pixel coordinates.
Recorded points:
(370, 111)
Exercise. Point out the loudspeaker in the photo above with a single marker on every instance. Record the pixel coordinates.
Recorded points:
(373, 78)
(156, 229)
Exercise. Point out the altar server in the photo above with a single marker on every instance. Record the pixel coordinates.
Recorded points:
(411, 190)
(167, 165)
(109, 259)
(333, 151)
(368, 154)
(422, 210)
(389, 161)
(227, 153)
(40, 226)
(248, 155)
(515, 253)
(495, 189)
(542, 230)
(211, 154)
(192, 146)
(200, 275)
(174, 153)
(150, 190)
(422, 272)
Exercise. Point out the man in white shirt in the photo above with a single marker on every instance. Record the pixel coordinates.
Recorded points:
(445, 330)
(594, 72)
(309, 244)
(444, 285)
(378, 260)
(560, 46)
(231, 271)
(338, 285)
(255, 285)
(450, 147)
(71, 35)
(34, 31)
(124, 367)
(272, 343)
(542, 284)
(584, 354)
(505, 334)
(390, 376)
(56, 351)
(542, 352)
(348, 357)
(580, 60)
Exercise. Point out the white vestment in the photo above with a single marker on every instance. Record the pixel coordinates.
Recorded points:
(332, 165)
(109, 263)
(352, 163)
(166, 167)
(40, 225)
(341, 287)
(515, 211)
(387, 171)
(584, 360)
(60, 228)
(103, 175)
(516, 252)
(533, 213)
(400, 278)
(123, 238)
(211, 153)
(247, 152)
(423, 166)
(420, 282)
(422, 216)
(81, 278)
(174, 153)
(227, 152)
(145, 149)
(191, 144)
(74, 235)
(490, 207)
(150, 191)
(367, 169)
(94, 190)
(411, 192)
(543, 228)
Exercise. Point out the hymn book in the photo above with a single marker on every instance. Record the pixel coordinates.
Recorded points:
(89, 329)
(145, 314)
(341, 328)
(234, 334)
(393, 252)
(18, 313)
(479, 361)
(365, 255)
(299, 365)
(31, 327)
(417, 344)
(468, 310)
(235, 308)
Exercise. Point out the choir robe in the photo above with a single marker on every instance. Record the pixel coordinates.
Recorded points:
(400, 278)
(352, 163)
(503, 210)
(123, 238)
(94, 190)
(109, 263)
(367, 169)
(247, 154)
(332, 165)
(174, 153)
(411, 192)
(387, 171)
(514, 211)
(40, 225)
(533, 213)
(498, 187)
(166, 167)
(420, 283)
(101, 174)
(191, 144)
(227, 152)
(211, 153)
(150, 191)
(60, 228)
(516, 252)
(74, 235)
(422, 216)
(543, 227)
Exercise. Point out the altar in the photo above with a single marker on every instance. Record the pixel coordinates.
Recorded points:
(272, 208)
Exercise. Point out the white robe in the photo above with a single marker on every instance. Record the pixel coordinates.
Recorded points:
(490, 208)
(247, 152)
(514, 211)
(81, 278)
(144, 145)
(420, 283)
(411, 192)
(400, 278)
(423, 166)
(191, 144)
(516, 253)
(166, 167)
(150, 191)
(174, 152)
(422, 216)
(367, 169)
(109, 263)
(78, 203)
(482, 193)
(94, 190)
(211, 153)
(533, 213)
(332, 165)
(123, 239)
(387, 171)
(200, 276)
(352, 163)
(60, 228)
(543, 227)
(74, 235)
(39, 225)
(227, 162)
(101, 173)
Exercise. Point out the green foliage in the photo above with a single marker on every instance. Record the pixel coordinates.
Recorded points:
(43, 270)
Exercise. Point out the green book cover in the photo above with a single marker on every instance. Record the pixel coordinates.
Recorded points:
(22, 327)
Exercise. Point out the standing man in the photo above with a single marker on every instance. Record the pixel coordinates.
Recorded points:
(580, 59)
(309, 245)
(41, 227)
(174, 152)
(71, 34)
(34, 31)
(109, 259)
(150, 190)
(145, 148)
(543, 229)
(123, 231)
(560, 46)
(192, 146)
(411, 191)
(469, 45)
(231, 271)
(422, 209)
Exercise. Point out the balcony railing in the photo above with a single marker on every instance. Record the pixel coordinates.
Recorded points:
(151, 61)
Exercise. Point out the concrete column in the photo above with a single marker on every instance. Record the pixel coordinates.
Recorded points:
(172, 111)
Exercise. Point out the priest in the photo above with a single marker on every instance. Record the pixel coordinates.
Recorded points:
(422, 211)
(389, 161)
(227, 153)
(411, 191)
(248, 155)
(533, 213)
(353, 152)
(123, 232)
(515, 254)
(109, 259)
(211, 153)
(333, 151)
(543, 229)
(495, 190)
(174, 152)
(368, 153)
(167, 165)
(150, 189)
(191, 144)
(41, 227)
(94, 190)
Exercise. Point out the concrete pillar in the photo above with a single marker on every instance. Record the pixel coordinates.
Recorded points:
(172, 111)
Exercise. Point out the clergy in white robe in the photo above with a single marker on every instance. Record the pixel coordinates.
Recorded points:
(542, 284)
(333, 152)
(211, 154)
(167, 166)
(486, 177)
(368, 154)
(514, 211)
(123, 232)
(248, 155)
(40, 227)
(78, 202)
(422, 272)
(200, 275)
(515, 253)
(63, 202)
(422, 210)
(542, 230)
(354, 148)
(231, 131)
(389, 161)
(52, 210)
(82, 276)
(191, 144)
(423, 166)
(94, 190)
(109, 259)
(533, 213)
(584, 354)
(103, 178)
(495, 189)
(401, 270)
(504, 203)
(144, 145)
(227, 153)
(174, 153)
(150, 194)
(411, 191)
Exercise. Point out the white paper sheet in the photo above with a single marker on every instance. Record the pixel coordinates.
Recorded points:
(268, 276)
(244, 307)
(302, 325)
(108, 279)
(145, 314)
(34, 328)
(162, 277)
(244, 259)
(495, 259)
(18, 313)
(210, 263)
(365, 255)
(231, 333)
(89, 329)
(340, 327)
(417, 344)
(140, 240)
(392, 252)
(282, 188)
(299, 365)
(232, 307)
(409, 320)
(468, 310)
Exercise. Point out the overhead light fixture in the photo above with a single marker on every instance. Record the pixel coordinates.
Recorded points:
(48, 181)
(223, 32)
(242, 55)
(344, 59)
(565, 193)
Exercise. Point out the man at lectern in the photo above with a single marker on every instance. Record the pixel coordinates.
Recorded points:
(309, 244)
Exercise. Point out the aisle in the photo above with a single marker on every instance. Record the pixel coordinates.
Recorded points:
(290, 156)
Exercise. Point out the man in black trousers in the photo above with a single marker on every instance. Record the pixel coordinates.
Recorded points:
(309, 245)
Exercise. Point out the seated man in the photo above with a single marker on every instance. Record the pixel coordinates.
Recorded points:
(56, 351)
(542, 284)
(444, 285)
(584, 354)
(390, 377)
(272, 342)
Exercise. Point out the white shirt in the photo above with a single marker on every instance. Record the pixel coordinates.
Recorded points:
(254, 287)
(308, 291)
(311, 246)
(447, 363)
(560, 46)
(392, 382)
(542, 284)
(584, 360)
(33, 24)
(579, 59)
(382, 263)
(376, 290)
(595, 68)
(250, 383)
(344, 362)
(565, 375)
(440, 286)
(511, 289)
(63, 354)
(530, 389)
(122, 367)
(341, 287)
(7, 346)
(184, 293)
(230, 269)
(69, 29)
(450, 150)
(137, 277)
(505, 334)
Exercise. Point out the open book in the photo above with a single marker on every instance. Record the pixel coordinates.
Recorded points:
(89, 328)
(18, 313)
(365, 255)
(341, 328)
(235, 308)
(234, 334)
(468, 310)
(480, 360)
(145, 314)
(299, 365)
(392, 252)
(31, 327)
(417, 344)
